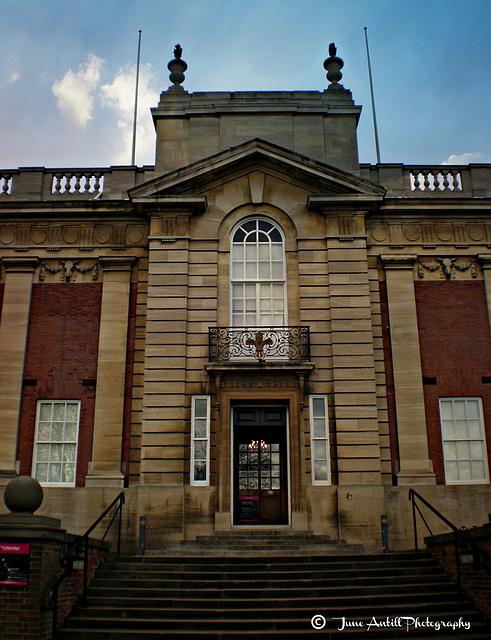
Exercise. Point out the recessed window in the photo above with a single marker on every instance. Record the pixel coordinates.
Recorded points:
(319, 440)
(463, 439)
(56, 439)
(200, 441)
(257, 275)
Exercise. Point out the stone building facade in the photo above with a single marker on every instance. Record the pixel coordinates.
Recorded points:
(257, 331)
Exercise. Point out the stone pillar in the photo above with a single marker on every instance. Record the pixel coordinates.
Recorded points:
(105, 468)
(13, 338)
(353, 362)
(415, 465)
(485, 260)
(164, 388)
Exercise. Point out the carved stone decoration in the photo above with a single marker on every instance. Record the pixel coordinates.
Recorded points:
(447, 267)
(68, 270)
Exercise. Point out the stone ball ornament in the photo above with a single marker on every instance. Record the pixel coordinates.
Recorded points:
(23, 495)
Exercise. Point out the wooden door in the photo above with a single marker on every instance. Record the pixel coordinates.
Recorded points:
(260, 466)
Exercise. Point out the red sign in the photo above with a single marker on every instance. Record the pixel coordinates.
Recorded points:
(14, 563)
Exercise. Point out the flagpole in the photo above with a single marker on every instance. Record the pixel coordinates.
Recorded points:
(373, 100)
(133, 149)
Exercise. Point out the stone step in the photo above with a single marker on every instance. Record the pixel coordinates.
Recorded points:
(231, 595)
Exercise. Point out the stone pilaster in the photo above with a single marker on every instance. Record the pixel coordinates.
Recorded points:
(415, 465)
(105, 468)
(13, 338)
(164, 386)
(355, 395)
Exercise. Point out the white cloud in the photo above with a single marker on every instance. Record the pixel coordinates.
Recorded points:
(465, 158)
(120, 96)
(75, 91)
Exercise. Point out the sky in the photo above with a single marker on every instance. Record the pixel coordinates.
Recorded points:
(67, 77)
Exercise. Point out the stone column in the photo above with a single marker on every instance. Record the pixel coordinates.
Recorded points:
(485, 260)
(13, 338)
(415, 465)
(105, 468)
(353, 362)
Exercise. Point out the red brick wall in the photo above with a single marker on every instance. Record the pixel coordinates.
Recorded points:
(62, 347)
(23, 613)
(455, 348)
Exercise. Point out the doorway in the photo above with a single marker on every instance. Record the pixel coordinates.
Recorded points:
(260, 465)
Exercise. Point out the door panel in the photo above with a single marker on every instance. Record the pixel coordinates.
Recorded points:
(260, 463)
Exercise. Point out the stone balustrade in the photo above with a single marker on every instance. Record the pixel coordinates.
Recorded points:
(39, 183)
(409, 181)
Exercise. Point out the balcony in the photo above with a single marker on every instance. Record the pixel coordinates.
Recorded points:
(288, 345)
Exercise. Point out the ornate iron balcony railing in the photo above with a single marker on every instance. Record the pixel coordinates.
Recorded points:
(290, 344)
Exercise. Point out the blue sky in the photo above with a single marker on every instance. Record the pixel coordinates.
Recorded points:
(67, 73)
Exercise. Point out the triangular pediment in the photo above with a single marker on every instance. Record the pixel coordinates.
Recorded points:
(199, 177)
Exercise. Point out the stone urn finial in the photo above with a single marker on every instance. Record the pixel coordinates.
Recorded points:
(333, 66)
(177, 67)
(23, 495)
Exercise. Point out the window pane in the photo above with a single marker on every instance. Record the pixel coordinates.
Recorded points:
(59, 411)
(70, 431)
(251, 252)
(476, 450)
(71, 414)
(68, 473)
(319, 428)
(238, 270)
(463, 452)
(69, 451)
(43, 431)
(54, 474)
(43, 452)
(446, 410)
(477, 468)
(41, 472)
(465, 470)
(251, 270)
(473, 409)
(451, 471)
(461, 429)
(475, 429)
(458, 409)
(318, 407)
(45, 411)
(264, 271)
(200, 428)
(320, 470)
(320, 450)
(448, 429)
(450, 451)
(200, 447)
(200, 407)
(200, 471)
(57, 431)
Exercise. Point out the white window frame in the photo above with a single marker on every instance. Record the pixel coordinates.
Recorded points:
(449, 426)
(322, 440)
(257, 281)
(41, 442)
(195, 440)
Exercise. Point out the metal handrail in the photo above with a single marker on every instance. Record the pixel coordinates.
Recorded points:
(458, 534)
(68, 558)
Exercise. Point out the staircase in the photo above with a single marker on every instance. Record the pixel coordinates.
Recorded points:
(271, 585)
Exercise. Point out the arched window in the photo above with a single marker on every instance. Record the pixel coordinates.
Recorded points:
(257, 286)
